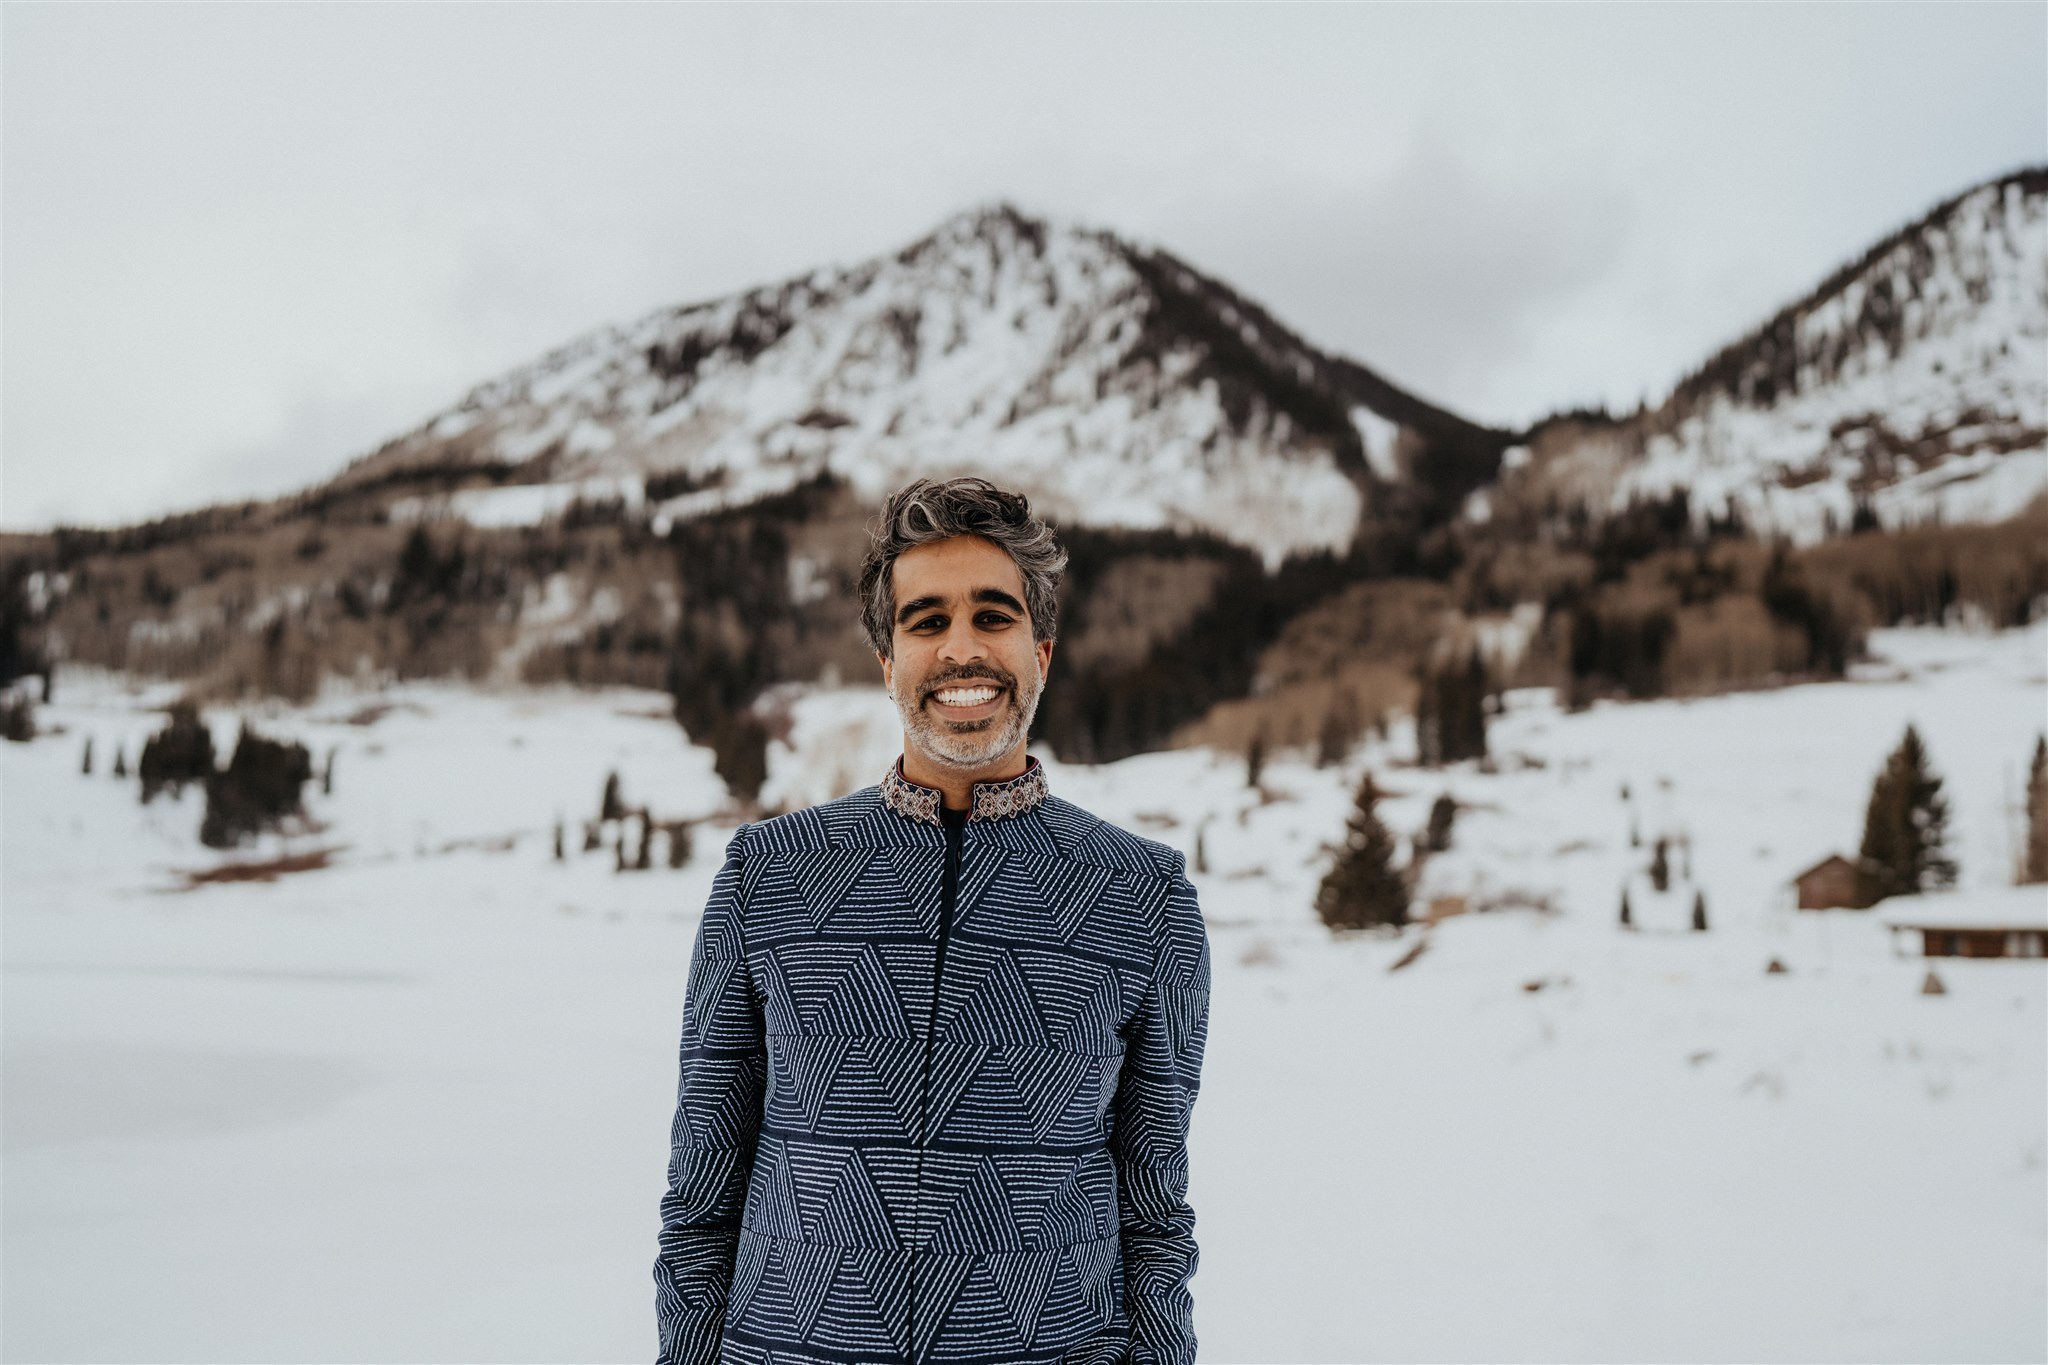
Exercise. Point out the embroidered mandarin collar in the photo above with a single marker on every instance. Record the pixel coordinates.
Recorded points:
(991, 801)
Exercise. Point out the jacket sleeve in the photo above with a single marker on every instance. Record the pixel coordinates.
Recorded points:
(1149, 1141)
(717, 1122)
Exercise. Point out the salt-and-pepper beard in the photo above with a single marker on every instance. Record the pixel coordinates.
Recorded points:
(949, 744)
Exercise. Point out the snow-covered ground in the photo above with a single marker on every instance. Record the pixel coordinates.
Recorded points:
(414, 1105)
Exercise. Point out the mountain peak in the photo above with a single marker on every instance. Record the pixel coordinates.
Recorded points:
(1910, 384)
(1115, 384)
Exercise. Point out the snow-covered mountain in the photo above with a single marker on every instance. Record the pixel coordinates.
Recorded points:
(1116, 384)
(1912, 382)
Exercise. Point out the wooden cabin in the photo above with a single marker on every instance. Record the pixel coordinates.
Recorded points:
(2005, 921)
(1830, 884)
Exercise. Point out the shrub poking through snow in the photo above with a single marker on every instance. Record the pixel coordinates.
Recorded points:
(1364, 888)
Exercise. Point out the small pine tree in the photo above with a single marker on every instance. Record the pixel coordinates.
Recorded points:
(1699, 910)
(1363, 887)
(611, 807)
(645, 860)
(1905, 827)
(1628, 920)
(1660, 865)
(327, 774)
(1201, 850)
(86, 770)
(120, 761)
(1255, 759)
(260, 786)
(558, 839)
(593, 835)
(181, 752)
(2035, 869)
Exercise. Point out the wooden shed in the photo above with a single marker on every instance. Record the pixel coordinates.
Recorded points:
(1830, 884)
(2004, 921)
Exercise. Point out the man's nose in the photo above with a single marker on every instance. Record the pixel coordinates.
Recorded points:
(961, 644)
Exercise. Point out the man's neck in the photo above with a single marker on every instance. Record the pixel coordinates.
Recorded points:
(956, 785)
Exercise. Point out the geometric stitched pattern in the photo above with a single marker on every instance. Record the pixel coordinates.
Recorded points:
(871, 1162)
(988, 800)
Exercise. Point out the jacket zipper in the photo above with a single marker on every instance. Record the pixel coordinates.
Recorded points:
(949, 887)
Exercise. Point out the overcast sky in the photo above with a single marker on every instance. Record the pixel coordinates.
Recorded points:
(239, 245)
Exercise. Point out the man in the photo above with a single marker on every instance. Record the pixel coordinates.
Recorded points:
(942, 1036)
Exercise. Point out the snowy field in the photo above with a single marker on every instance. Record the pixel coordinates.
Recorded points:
(414, 1106)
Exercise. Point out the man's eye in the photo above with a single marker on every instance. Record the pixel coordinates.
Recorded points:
(929, 621)
(994, 618)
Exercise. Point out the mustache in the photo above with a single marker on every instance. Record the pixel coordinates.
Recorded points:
(932, 685)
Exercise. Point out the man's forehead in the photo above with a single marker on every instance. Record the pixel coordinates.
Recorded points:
(962, 564)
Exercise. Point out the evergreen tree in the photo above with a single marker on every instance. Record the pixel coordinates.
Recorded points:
(2035, 869)
(86, 771)
(1339, 730)
(645, 860)
(1660, 865)
(611, 807)
(1429, 750)
(1905, 827)
(1441, 814)
(1628, 920)
(739, 754)
(181, 752)
(327, 774)
(120, 761)
(1450, 712)
(1699, 910)
(1363, 888)
(1255, 758)
(259, 787)
(558, 839)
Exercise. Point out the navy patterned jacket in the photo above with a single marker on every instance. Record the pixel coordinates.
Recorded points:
(936, 1081)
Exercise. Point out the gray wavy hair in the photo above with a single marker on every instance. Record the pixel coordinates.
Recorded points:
(925, 511)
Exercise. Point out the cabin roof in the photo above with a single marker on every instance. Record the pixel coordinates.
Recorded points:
(1989, 907)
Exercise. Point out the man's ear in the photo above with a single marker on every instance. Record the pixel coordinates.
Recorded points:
(887, 670)
(1044, 648)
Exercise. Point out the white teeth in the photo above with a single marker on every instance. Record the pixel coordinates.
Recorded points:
(966, 696)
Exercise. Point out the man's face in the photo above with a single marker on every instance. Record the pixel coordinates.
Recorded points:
(967, 674)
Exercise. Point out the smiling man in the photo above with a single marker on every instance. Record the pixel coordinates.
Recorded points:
(942, 1037)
